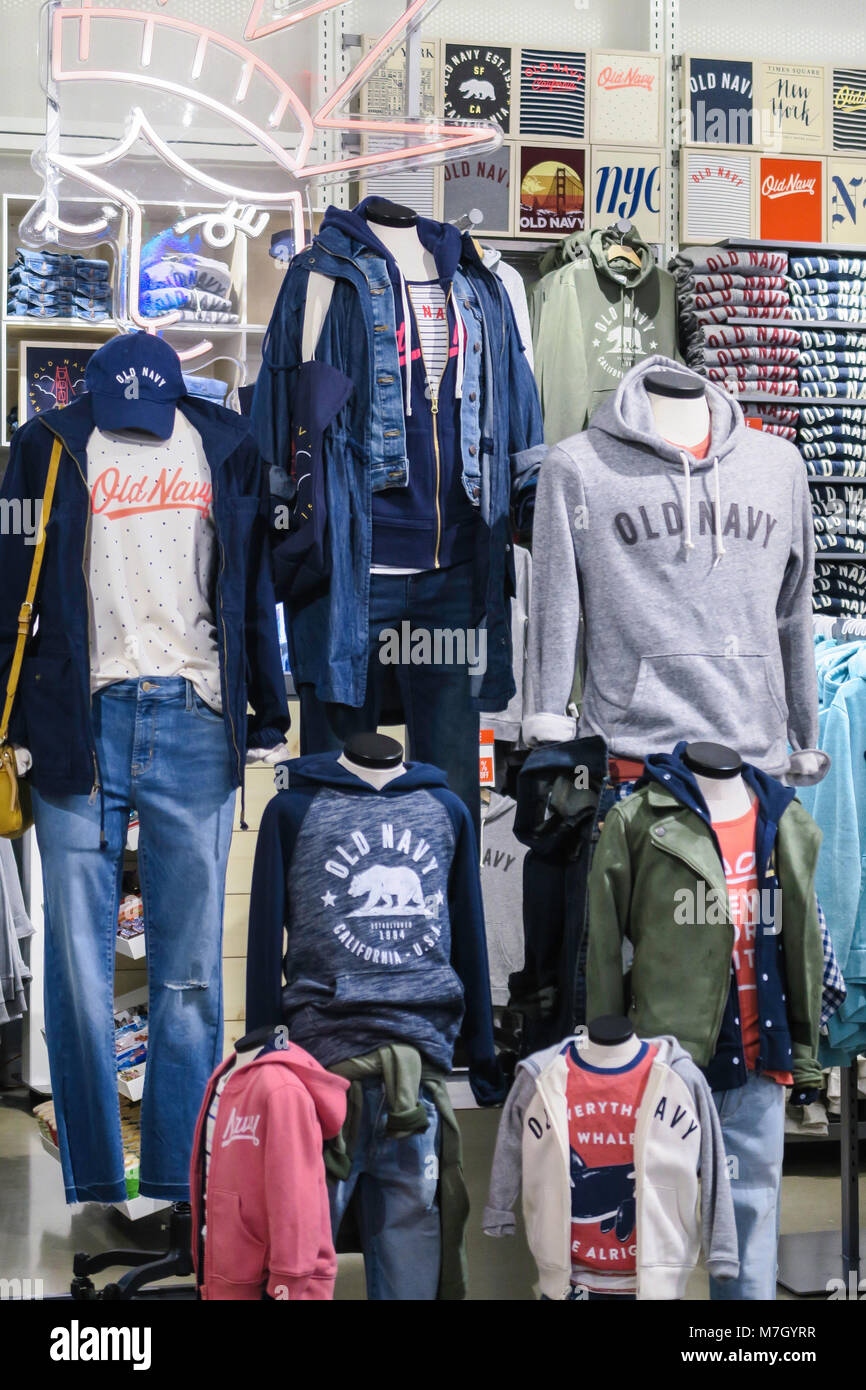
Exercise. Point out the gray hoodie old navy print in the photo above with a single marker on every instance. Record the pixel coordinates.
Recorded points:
(379, 895)
(693, 580)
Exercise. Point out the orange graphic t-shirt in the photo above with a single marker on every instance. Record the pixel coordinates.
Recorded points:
(737, 843)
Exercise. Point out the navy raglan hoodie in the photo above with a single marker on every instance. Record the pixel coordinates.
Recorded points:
(379, 895)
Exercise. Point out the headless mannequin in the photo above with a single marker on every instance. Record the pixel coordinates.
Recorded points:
(679, 406)
(397, 229)
(375, 758)
(609, 1043)
(717, 772)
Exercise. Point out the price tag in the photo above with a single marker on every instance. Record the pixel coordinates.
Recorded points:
(485, 758)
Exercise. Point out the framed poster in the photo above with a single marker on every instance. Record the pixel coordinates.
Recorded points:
(791, 101)
(552, 94)
(626, 98)
(846, 201)
(848, 105)
(629, 184)
(476, 82)
(720, 95)
(385, 95)
(50, 375)
(551, 190)
(716, 196)
(481, 182)
(790, 198)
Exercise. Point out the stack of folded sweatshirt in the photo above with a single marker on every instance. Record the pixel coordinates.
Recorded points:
(734, 311)
(839, 588)
(57, 285)
(196, 286)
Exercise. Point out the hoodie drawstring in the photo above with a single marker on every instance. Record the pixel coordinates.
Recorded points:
(688, 542)
(718, 543)
(407, 344)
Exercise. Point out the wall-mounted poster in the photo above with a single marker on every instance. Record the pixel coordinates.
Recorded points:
(716, 196)
(551, 193)
(790, 199)
(50, 375)
(846, 201)
(791, 106)
(385, 95)
(720, 95)
(848, 99)
(481, 182)
(625, 99)
(477, 83)
(552, 94)
(628, 184)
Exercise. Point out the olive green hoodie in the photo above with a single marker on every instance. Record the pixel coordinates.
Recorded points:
(594, 317)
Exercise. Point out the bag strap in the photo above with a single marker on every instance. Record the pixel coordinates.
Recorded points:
(25, 613)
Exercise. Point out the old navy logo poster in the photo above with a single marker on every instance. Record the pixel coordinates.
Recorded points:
(721, 93)
(552, 94)
(481, 182)
(477, 81)
(385, 893)
(625, 90)
(849, 109)
(791, 199)
(552, 190)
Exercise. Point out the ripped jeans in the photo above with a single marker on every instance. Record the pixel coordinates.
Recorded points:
(163, 753)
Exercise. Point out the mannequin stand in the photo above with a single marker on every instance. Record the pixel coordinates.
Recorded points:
(146, 1266)
(810, 1264)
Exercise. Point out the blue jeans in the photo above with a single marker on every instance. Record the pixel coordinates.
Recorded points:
(395, 1183)
(753, 1128)
(432, 697)
(163, 752)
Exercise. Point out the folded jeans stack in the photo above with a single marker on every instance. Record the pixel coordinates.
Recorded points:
(50, 284)
(726, 298)
(196, 286)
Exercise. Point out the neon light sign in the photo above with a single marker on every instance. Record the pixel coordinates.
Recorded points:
(74, 33)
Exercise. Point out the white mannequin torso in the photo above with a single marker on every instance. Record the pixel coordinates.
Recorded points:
(377, 777)
(681, 421)
(608, 1058)
(727, 798)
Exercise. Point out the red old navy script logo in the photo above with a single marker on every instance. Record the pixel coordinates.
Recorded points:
(613, 79)
(783, 188)
(115, 496)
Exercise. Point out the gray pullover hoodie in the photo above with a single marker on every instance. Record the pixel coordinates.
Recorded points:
(693, 581)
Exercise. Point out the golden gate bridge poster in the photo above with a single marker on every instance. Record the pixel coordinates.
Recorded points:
(552, 199)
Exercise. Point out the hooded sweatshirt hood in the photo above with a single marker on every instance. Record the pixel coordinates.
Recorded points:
(326, 770)
(328, 1092)
(693, 579)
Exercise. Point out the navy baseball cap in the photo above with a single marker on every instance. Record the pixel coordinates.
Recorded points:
(135, 381)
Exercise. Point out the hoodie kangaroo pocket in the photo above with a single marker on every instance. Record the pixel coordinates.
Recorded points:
(232, 1252)
(431, 985)
(701, 695)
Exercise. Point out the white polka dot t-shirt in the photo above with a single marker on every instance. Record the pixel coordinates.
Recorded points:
(152, 560)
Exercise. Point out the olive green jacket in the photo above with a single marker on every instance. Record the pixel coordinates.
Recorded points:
(655, 855)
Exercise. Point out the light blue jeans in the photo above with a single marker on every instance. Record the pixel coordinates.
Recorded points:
(753, 1128)
(396, 1184)
(163, 752)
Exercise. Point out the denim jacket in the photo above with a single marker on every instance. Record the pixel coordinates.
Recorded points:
(501, 443)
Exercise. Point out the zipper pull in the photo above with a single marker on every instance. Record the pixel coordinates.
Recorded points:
(434, 405)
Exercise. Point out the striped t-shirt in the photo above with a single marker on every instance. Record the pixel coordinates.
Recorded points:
(430, 307)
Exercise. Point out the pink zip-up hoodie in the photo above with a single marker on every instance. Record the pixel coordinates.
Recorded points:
(268, 1223)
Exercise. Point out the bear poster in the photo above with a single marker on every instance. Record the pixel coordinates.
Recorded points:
(477, 83)
(552, 190)
(481, 182)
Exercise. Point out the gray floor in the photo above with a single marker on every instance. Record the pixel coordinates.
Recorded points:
(39, 1234)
